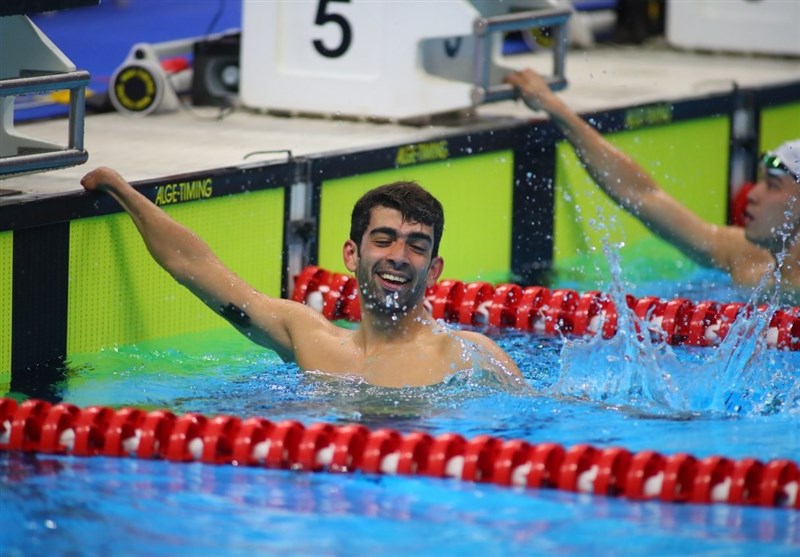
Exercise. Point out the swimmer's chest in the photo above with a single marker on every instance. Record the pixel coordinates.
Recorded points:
(391, 365)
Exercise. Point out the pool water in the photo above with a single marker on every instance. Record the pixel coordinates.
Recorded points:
(100, 506)
(618, 392)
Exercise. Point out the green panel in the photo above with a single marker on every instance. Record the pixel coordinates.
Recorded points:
(119, 295)
(476, 193)
(689, 159)
(6, 282)
(778, 124)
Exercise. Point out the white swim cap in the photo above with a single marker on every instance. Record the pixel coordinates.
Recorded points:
(785, 159)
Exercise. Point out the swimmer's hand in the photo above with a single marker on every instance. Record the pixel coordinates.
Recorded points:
(102, 179)
(533, 88)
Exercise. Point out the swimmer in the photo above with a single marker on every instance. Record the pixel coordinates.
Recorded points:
(770, 238)
(393, 251)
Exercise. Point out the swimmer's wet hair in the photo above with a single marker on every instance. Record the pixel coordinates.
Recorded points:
(413, 201)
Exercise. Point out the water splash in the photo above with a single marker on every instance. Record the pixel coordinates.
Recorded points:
(741, 376)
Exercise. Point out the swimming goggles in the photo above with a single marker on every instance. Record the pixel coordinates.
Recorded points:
(776, 167)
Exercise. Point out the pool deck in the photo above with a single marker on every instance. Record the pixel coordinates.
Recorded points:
(166, 144)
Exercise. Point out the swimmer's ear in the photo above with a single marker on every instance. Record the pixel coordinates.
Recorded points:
(350, 255)
(437, 266)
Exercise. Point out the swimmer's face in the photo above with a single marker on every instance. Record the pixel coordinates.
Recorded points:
(772, 215)
(394, 262)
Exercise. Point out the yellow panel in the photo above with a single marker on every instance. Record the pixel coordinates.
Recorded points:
(119, 295)
(778, 124)
(6, 283)
(476, 193)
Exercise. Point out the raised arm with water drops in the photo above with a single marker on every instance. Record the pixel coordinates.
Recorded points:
(265, 320)
(624, 180)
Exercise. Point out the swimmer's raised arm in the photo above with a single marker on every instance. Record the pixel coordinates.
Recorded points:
(392, 249)
(265, 320)
(627, 183)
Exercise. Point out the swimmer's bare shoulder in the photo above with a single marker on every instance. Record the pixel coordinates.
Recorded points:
(289, 328)
(495, 352)
(734, 253)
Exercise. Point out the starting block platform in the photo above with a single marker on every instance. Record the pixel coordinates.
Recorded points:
(31, 63)
(390, 60)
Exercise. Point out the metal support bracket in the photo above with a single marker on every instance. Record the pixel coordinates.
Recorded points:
(34, 155)
(485, 28)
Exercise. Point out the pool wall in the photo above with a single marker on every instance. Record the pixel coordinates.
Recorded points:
(75, 277)
(132, 298)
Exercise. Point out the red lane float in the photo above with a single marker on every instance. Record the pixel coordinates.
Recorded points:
(251, 437)
(217, 439)
(529, 316)
(503, 309)
(342, 299)
(380, 444)
(511, 457)
(474, 306)
(563, 311)
(60, 419)
(559, 311)
(311, 279)
(122, 430)
(38, 426)
(446, 300)
(679, 472)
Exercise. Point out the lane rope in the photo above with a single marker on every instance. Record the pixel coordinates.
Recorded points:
(38, 426)
(560, 311)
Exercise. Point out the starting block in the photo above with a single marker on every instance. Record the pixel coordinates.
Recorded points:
(31, 63)
(392, 59)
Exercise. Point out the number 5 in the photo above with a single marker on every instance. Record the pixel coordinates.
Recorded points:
(347, 33)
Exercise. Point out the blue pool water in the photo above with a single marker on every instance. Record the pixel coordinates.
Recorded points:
(604, 393)
(62, 505)
(134, 507)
